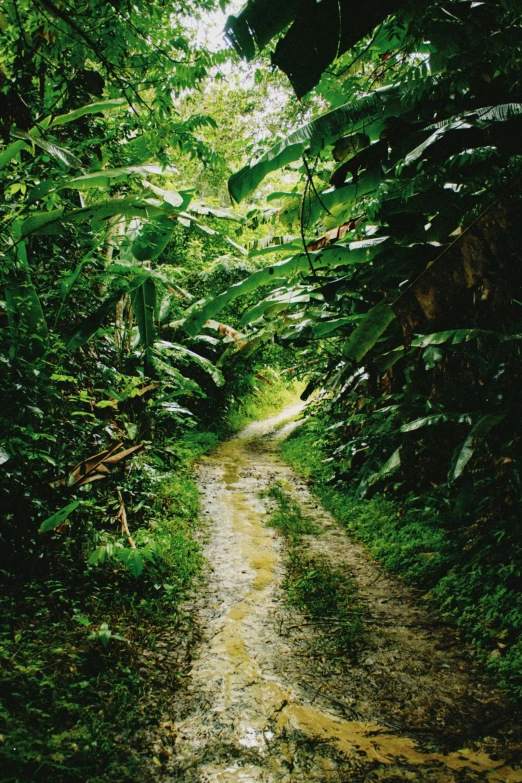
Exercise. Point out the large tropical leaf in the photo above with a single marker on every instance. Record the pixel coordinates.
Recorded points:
(168, 348)
(389, 466)
(11, 151)
(92, 323)
(338, 202)
(61, 153)
(143, 300)
(199, 208)
(52, 222)
(274, 244)
(465, 452)
(324, 328)
(106, 177)
(320, 32)
(153, 238)
(364, 113)
(352, 253)
(258, 22)
(372, 326)
(436, 419)
(279, 300)
(60, 516)
(92, 108)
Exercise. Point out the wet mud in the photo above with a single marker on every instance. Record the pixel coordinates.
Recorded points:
(264, 704)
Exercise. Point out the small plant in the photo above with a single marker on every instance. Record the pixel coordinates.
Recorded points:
(104, 634)
(287, 516)
(325, 595)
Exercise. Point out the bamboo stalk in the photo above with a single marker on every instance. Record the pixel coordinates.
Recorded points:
(122, 515)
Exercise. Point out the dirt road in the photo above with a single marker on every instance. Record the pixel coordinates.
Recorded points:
(263, 705)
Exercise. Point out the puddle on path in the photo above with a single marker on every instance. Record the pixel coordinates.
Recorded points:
(251, 716)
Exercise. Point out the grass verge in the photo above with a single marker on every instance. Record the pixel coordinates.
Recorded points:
(90, 655)
(474, 581)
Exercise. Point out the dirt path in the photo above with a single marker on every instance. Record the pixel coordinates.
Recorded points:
(264, 705)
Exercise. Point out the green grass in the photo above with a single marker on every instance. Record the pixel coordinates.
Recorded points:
(473, 575)
(326, 596)
(287, 516)
(265, 399)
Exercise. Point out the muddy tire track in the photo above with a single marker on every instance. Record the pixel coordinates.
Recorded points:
(263, 705)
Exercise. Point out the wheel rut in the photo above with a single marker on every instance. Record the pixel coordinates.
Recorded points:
(262, 704)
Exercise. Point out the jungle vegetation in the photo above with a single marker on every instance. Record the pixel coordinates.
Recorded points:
(180, 228)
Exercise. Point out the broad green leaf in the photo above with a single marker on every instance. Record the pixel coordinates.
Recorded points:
(199, 208)
(11, 151)
(390, 465)
(339, 202)
(274, 304)
(251, 29)
(464, 454)
(185, 385)
(40, 190)
(143, 303)
(48, 222)
(387, 360)
(60, 516)
(324, 328)
(52, 222)
(61, 153)
(153, 238)
(432, 355)
(92, 108)
(415, 154)
(106, 177)
(132, 559)
(175, 198)
(318, 134)
(165, 347)
(372, 326)
(435, 419)
(275, 244)
(90, 326)
(352, 253)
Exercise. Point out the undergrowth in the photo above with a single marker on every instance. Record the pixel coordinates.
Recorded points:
(287, 515)
(326, 596)
(474, 581)
(79, 670)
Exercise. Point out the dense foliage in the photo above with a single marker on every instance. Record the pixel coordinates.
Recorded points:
(372, 249)
(400, 287)
(104, 401)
